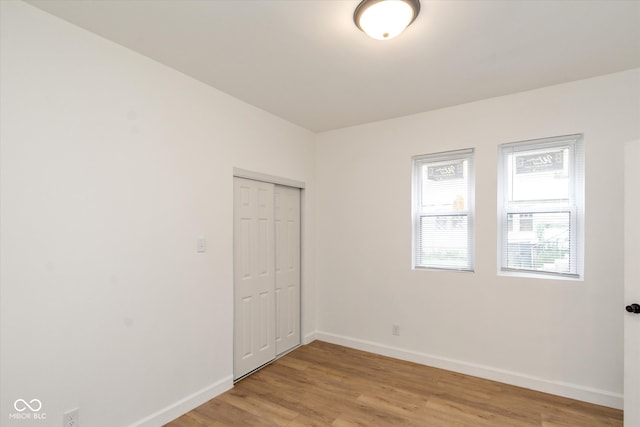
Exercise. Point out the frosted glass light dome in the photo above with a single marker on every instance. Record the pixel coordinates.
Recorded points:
(385, 19)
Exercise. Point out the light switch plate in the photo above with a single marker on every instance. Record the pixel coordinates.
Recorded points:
(201, 245)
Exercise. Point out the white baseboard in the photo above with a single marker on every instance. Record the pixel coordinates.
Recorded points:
(186, 404)
(309, 338)
(559, 388)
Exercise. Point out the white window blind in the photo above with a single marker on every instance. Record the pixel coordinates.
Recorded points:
(443, 211)
(541, 205)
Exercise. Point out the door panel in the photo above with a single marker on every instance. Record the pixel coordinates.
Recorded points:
(254, 278)
(632, 286)
(287, 234)
(244, 328)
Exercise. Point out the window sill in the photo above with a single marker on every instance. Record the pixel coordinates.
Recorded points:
(540, 275)
(453, 270)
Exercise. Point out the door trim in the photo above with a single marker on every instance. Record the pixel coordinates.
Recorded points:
(272, 179)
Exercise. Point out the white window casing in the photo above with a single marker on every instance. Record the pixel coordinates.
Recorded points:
(541, 208)
(443, 211)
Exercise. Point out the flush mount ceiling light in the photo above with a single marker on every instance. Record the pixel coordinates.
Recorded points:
(385, 19)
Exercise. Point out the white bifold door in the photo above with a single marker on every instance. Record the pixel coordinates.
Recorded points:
(266, 272)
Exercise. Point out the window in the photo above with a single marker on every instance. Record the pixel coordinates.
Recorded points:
(541, 196)
(443, 211)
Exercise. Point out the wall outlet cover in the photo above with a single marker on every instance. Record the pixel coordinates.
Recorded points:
(71, 418)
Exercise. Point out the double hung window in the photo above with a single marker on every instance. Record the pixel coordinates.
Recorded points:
(541, 206)
(443, 198)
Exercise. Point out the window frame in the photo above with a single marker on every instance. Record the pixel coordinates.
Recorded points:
(575, 206)
(417, 213)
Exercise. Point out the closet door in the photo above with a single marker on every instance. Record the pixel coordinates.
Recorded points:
(254, 277)
(287, 234)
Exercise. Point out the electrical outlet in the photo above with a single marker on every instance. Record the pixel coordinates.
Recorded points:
(395, 330)
(71, 418)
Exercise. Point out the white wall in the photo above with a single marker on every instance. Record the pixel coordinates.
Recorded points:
(112, 165)
(555, 335)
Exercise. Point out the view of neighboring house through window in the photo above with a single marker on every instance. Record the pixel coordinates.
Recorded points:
(443, 210)
(541, 206)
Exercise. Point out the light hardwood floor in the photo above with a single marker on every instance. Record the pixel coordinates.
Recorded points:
(322, 384)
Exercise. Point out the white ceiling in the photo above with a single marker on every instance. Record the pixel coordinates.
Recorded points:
(305, 60)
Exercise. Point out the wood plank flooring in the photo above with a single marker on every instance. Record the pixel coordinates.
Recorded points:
(322, 384)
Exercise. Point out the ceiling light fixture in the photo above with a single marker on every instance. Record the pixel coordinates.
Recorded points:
(385, 19)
